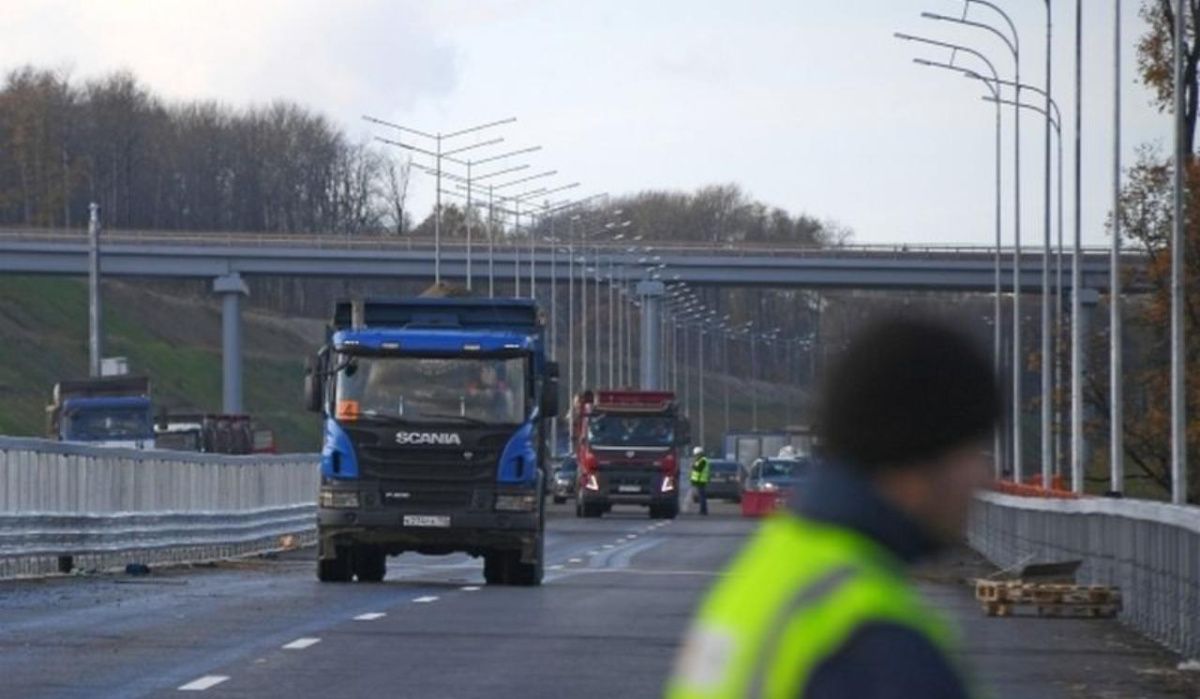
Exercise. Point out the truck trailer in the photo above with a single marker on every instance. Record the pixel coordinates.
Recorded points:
(628, 444)
(434, 411)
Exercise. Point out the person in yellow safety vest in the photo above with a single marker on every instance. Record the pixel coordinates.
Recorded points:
(699, 478)
(818, 605)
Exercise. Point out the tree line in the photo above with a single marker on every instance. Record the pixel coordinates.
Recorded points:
(196, 165)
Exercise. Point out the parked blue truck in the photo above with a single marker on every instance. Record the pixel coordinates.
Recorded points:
(109, 411)
(435, 417)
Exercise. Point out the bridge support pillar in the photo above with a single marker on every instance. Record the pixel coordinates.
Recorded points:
(231, 288)
(651, 294)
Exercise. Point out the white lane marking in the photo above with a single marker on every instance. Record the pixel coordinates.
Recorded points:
(555, 567)
(631, 537)
(370, 616)
(470, 588)
(575, 560)
(593, 552)
(202, 683)
(607, 546)
(425, 600)
(302, 643)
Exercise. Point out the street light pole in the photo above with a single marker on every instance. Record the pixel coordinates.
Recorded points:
(439, 154)
(994, 88)
(1178, 368)
(1116, 408)
(1014, 47)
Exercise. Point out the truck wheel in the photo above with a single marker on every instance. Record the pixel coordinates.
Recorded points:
(528, 574)
(495, 567)
(336, 569)
(370, 565)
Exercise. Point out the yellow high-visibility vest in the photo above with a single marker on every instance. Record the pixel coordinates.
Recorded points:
(790, 600)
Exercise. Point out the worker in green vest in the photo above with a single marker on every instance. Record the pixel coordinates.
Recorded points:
(818, 604)
(699, 478)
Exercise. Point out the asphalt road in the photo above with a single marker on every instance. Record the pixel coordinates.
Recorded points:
(618, 594)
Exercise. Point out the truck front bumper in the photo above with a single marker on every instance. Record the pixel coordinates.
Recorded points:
(629, 488)
(474, 529)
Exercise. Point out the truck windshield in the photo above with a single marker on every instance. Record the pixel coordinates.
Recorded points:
(631, 431)
(99, 424)
(417, 389)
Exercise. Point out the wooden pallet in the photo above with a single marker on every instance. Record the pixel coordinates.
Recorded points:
(1003, 597)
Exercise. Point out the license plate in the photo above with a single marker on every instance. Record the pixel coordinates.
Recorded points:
(427, 521)
(629, 488)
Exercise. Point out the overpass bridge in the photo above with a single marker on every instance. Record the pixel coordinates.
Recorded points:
(212, 255)
(228, 258)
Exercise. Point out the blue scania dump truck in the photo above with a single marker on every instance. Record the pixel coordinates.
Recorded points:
(435, 415)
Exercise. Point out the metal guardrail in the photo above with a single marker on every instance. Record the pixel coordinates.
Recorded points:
(1150, 550)
(101, 508)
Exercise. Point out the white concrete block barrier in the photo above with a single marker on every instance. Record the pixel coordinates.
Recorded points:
(1151, 550)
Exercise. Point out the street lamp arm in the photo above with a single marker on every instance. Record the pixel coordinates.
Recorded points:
(509, 154)
(481, 144)
(972, 23)
(417, 149)
(967, 72)
(473, 129)
(398, 127)
(948, 45)
(547, 173)
(1008, 20)
(1054, 117)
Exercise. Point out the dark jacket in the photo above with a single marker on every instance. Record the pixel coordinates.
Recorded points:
(880, 661)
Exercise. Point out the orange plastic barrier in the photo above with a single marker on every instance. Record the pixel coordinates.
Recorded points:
(1033, 488)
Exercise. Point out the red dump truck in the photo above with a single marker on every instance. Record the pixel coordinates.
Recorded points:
(627, 444)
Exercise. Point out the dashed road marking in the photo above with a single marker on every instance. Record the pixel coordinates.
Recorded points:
(593, 552)
(302, 643)
(608, 546)
(575, 560)
(426, 599)
(202, 683)
(555, 567)
(370, 616)
(470, 588)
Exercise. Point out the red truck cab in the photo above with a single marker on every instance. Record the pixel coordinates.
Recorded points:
(627, 444)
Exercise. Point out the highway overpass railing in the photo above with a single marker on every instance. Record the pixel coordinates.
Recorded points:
(70, 507)
(1150, 550)
(377, 241)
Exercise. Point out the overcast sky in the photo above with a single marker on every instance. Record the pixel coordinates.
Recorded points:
(811, 106)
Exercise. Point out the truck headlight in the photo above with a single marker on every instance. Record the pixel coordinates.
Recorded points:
(339, 498)
(516, 503)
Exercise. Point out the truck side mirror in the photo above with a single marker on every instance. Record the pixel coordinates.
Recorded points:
(683, 431)
(313, 383)
(550, 391)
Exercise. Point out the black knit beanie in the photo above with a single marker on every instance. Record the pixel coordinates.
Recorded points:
(905, 391)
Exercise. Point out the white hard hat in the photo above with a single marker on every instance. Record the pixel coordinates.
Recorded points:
(697, 451)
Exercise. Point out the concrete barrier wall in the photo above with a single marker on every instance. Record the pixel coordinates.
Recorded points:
(1150, 550)
(104, 508)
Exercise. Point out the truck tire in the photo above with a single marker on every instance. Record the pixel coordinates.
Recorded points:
(529, 574)
(370, 565)
(497, 566)
(336, 569)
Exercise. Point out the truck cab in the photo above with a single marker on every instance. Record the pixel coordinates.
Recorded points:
(627, 445)
(434, 411)
(105, 412)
